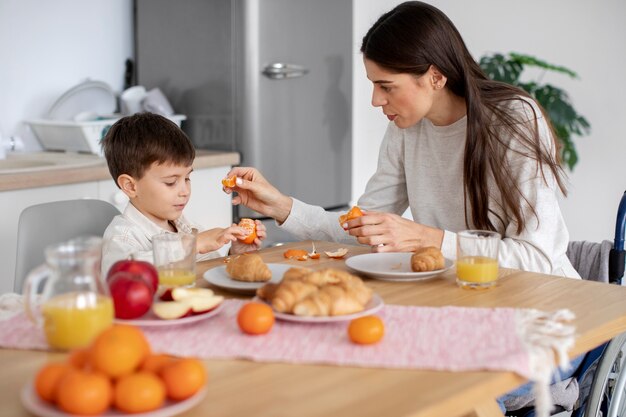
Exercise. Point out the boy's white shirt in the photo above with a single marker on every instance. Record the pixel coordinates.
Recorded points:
(131, 232)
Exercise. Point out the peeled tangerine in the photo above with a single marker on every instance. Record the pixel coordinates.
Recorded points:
(250, 227)
(353, 213)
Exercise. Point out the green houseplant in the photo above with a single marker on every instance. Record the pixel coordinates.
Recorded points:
(565, 119)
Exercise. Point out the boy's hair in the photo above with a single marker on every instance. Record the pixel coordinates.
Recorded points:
(135, 142)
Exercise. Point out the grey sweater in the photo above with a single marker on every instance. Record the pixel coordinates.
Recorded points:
(422, 168)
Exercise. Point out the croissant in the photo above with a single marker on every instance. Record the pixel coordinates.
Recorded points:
(296, 273)
(249, 268)
(289, 293)
(330, 300)
(426, 259)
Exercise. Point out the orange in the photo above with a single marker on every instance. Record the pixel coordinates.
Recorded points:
(353, 213)
(250, 227)
(255, 318)
(79, 358)
(299, 254)
(47, 380)
(155, 362)
(183, 378)
(119, 350)
(366, 330)
(139, 392)
(229, 182)
(84, 393)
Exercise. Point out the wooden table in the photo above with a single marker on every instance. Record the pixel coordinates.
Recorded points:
(244, 388)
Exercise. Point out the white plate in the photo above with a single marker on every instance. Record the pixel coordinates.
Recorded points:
(218, 277)
(40, 408)
(391, 266)
(90, 96)
(375, 304)
(151, 320)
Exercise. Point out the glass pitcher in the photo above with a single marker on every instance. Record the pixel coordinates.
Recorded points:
(67, 297)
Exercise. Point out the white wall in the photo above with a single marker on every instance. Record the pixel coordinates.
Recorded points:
(586, 36)
(47, 47)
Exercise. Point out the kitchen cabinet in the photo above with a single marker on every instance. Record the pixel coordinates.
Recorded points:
(208, 207)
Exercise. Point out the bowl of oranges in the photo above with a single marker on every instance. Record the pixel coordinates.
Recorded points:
(117, 374)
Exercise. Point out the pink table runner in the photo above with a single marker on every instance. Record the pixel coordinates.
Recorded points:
(444, 338)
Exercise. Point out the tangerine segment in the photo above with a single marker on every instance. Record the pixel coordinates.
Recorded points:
(84, 393)
(47, 380)
(353, 213)
(183, 378)
(139, 392)
(255, 318)
(229, 182)
(119, 350)
(250, 227)
(366, 330)
(299, 254)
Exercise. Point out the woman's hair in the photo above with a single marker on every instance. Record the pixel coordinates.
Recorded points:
(412, 37)
(135, 142)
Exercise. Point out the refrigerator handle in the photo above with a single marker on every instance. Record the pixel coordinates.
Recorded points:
(280, 71)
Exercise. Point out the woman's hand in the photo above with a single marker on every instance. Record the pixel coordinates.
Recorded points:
(240, 247)
(255, 192)
(387, 232)
(213, 239)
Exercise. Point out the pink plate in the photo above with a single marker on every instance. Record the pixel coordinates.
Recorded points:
(151, 320)
(40, 408)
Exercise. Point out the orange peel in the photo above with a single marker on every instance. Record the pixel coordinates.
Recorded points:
(298, 254)
(353, 213)
(339, 253)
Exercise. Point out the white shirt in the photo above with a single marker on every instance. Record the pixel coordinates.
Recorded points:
(421, 168)
(130, 233)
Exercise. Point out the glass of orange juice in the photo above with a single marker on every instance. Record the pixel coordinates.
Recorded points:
(67, 297)
(477, 258)
(175, 259)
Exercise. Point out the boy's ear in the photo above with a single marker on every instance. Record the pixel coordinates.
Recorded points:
(128, 185)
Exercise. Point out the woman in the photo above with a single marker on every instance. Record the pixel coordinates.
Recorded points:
(461, 151)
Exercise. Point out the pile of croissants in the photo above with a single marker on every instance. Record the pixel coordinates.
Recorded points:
(325, 292)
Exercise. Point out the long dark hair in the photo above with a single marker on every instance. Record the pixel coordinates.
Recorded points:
(415, 35)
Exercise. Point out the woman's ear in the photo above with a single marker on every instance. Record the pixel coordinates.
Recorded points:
(128, 185)
(438, 80)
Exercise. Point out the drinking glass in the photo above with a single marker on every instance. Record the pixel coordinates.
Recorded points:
(477, 258)
(175, 259)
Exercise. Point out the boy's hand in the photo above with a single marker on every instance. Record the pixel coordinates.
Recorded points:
(213, 239)
(240, 247)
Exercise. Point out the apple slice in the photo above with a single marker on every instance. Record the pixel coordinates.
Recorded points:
(169, 310)
(180, 293)
(201, 305)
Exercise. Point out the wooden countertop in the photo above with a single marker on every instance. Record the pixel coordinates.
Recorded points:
(60, 176)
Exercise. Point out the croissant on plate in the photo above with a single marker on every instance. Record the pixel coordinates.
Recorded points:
(427, 259)
(334, 300)
(248, 267)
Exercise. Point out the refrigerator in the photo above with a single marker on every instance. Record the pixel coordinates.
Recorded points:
(270, 79)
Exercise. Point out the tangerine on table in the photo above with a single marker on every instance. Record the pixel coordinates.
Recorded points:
(139, 392)
(183, 378)
(250, 226)
(255, 318)
(47, 380)
(79, 358)
(119, 350)
(366, 330)
(84, 393)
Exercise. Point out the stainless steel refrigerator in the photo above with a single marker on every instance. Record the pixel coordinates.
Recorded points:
(271, 79)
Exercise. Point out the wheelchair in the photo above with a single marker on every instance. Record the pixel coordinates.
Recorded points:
(601, 375)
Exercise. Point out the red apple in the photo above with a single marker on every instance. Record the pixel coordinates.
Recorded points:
(132, 295)
(143, 269)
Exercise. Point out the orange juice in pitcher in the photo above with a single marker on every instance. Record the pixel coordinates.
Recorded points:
(72, 320)
(66, 297)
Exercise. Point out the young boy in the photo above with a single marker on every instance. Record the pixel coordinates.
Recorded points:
(150, 159)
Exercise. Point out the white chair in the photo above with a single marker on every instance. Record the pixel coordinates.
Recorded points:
(45, 224)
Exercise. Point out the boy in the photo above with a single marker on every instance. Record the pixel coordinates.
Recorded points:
(150, 159)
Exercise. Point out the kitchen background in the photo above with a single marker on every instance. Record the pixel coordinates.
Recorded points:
(46, 47)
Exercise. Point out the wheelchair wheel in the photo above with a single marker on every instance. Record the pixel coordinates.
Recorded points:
(609, 384)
